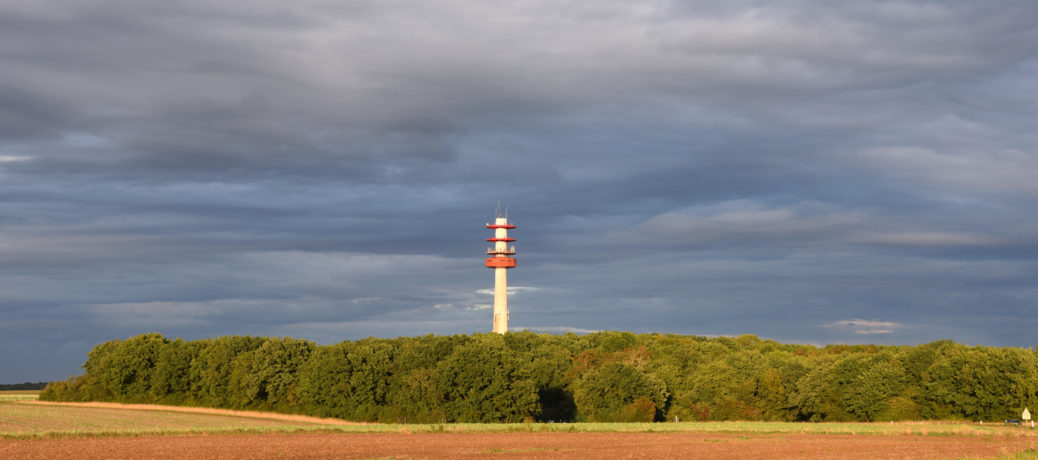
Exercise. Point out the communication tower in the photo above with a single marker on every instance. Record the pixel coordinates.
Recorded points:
(501, 260)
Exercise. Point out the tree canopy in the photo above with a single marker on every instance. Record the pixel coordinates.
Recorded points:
(524, 376)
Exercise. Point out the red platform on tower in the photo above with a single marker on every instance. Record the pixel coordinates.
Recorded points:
(500, 262)
(509, 226)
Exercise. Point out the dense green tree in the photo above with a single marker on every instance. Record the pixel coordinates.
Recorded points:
(171, 379)
(869, 394)
(266, 377)
(610, 341)
(415, 398)
(484, 381)
(369, 380)
(729, 387)
(210, 373)
(324, 382)
(125, 368)
(620, 392)
(816, 398)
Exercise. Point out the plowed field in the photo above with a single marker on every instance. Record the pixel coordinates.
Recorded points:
(520, 445)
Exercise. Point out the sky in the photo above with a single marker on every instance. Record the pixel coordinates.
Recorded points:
(808, 171)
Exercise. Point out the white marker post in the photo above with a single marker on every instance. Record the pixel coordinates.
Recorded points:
(1026, 416)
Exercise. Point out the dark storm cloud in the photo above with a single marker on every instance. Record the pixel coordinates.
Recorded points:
(806, 171)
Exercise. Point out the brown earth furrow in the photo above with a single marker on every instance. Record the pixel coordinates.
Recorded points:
(520, 445)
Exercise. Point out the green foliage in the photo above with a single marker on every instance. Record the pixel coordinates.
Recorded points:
(868, 394)
(607, 376)
(415, 398)
(266, 377)
(210, 371)
(76, 389)
(347, 380)
(126, 368)
(981, 383)
(611, 341)
(620, 393)
(485, 381)
(171, 380)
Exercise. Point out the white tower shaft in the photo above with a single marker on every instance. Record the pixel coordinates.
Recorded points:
(500, 300)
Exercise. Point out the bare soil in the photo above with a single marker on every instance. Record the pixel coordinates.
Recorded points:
(520, 445)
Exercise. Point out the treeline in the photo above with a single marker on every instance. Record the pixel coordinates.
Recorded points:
(605, 376)
(23, 386)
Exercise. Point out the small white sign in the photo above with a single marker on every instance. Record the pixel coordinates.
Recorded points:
(1026, 415)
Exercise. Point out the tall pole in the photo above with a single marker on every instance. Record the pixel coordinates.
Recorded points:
(500, 300)
(501, 260)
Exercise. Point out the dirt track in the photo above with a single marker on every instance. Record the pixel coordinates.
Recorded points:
(520, 445)
(201, 410)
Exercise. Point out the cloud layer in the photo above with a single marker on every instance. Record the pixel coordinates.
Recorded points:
(324, 169)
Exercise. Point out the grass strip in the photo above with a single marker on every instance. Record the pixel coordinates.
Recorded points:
(19, 395)
(49, 421)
